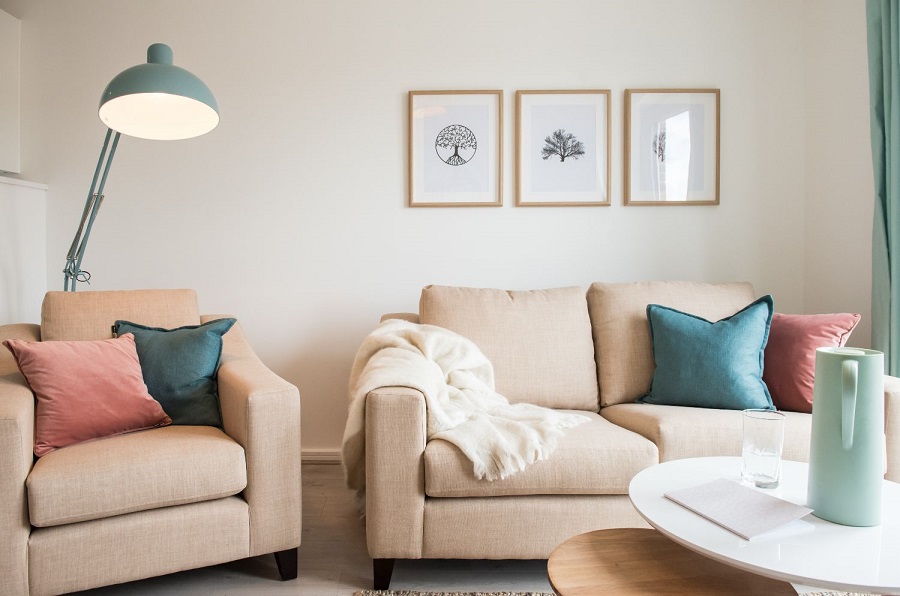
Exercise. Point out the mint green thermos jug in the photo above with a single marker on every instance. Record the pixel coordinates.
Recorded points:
(847, 449)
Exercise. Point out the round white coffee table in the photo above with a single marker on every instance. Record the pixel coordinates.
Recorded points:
(811, 551)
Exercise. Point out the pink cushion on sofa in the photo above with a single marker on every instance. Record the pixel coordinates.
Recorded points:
(85, 390)
(790, 355)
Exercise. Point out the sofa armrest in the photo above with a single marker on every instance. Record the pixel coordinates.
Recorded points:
(261, 411)
(892, 426)
(395, 472)
(16, 460)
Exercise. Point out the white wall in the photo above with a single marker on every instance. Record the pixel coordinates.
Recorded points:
(10, 36)
(840, 190)
(292, 213)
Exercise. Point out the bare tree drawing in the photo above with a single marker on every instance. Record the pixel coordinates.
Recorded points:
(562, 143)
(659, 146)
(456, 137)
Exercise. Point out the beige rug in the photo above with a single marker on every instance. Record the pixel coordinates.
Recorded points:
(414, 593)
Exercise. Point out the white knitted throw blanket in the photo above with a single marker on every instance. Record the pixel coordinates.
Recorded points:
(461, 405)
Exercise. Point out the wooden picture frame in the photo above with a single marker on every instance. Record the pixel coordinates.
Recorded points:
(672, 146)
(563, 148)
(455, 148)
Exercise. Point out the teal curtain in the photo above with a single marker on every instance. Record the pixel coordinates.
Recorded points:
(883, 19)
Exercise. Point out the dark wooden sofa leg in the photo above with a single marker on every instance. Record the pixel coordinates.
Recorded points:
(382, 570)
(287, 563)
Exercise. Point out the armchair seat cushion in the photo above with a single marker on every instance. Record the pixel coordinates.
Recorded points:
(135, 472)
(595, 458)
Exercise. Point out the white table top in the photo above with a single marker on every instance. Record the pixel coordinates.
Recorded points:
(810, 551)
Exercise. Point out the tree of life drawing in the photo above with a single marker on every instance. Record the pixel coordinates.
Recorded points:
(659, 146)
(455, 145)
(562, 144)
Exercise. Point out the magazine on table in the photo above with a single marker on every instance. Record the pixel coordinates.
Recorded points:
(747, 512)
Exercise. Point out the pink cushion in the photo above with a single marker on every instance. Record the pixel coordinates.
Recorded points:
(85, 390)
(790, 355)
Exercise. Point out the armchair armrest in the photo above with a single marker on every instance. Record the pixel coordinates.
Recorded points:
(26, 331)
(261, 411)
(16, 460)
(892, 426)
(395, 472)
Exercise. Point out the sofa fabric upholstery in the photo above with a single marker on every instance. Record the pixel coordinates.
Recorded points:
(539, 342)
(134, 472)
(518, 527)
(135, 491)
(622, 340)
(16, 460)
(23, 331)
(395, 472)
(86, 315)
(422, 500)
(682, 432)
(261, 412)
(596, 458)
(136, 546)
(892, 426)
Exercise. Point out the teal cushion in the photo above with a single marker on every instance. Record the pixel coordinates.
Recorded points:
(710, 365)
(179, 368)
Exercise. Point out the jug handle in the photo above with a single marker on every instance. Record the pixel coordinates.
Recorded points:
(849, 376)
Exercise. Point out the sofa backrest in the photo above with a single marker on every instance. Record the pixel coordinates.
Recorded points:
(90, 315)
(622, 342)
(539, 342)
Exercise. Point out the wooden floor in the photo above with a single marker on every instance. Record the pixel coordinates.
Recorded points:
(334, 560)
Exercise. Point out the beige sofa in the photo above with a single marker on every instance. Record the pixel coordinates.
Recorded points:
(561, 349)
(150, 502)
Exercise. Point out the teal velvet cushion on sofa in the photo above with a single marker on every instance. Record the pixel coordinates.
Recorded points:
(179, 368)
(710, 365)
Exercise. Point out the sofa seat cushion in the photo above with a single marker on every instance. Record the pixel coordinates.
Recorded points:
(538, 341)
(681, 432)
(595, 458)
(135, 472)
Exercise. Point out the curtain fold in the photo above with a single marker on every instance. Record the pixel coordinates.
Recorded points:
(883, 24)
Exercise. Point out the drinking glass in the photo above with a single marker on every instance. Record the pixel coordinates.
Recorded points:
(763, 442)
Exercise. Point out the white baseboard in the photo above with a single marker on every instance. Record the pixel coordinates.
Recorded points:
(321, 456)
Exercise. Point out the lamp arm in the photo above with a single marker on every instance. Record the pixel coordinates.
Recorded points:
(72, 271)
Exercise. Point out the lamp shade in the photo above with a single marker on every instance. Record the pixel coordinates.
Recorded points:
(158, 100)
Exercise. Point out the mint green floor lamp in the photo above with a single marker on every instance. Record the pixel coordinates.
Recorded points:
(156, 100)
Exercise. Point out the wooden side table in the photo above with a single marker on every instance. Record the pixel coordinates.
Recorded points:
(642, 561)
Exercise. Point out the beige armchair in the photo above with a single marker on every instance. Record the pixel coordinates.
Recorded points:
(151, 502)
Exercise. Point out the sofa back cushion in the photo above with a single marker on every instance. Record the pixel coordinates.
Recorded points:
(622, 342)
(91, 315)
(539, 342)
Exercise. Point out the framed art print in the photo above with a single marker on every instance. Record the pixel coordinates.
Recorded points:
(672, 147)
(455, 148)
(562, 141)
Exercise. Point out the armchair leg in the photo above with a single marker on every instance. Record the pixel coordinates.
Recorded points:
(287, 563)
(382, 570)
